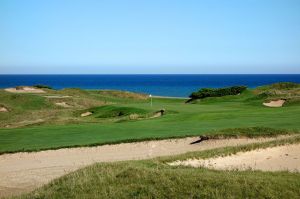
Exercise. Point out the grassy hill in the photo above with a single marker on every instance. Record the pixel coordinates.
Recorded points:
(41, 124)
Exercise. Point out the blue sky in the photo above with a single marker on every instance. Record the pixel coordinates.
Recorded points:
(153, 36)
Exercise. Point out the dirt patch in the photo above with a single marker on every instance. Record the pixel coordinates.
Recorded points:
(24, 89)
(63, 104)
(86, 114)
(281, 158)
(277, 103)
(23, 172)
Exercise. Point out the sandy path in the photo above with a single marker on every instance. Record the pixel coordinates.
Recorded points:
(23, 172)
(281, 158)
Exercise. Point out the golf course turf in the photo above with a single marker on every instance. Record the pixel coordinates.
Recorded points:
(35, 122)
(208, 116)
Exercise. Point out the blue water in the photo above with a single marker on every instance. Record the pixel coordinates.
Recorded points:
(164, 85)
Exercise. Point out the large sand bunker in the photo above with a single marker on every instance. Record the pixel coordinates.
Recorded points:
(277, 103)
(24, 89)
(281, 158)
(23, 172)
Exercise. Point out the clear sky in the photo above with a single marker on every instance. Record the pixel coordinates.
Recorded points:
(149, 36)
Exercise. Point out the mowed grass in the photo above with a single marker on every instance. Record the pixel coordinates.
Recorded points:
(156, 179)
(202, 117)
(68, 129)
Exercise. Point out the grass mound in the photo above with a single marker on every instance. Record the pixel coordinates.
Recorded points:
(280, 86)
(123, 94)
(284, 90)
(110, 111)
(250, 132)
(73, 91)
(16, 101)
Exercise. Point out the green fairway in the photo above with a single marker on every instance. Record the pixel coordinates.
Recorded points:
(181, 119)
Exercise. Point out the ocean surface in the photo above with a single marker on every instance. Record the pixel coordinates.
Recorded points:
(163, 85)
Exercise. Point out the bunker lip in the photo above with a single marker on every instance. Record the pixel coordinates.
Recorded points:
(279, 158)
(23, 172)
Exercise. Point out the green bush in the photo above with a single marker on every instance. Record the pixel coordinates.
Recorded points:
(19, 87)
(217, 92)
(42, 86)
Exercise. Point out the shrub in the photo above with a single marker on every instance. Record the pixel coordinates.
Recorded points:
(42, 86)
(19, 87)
(217, 92)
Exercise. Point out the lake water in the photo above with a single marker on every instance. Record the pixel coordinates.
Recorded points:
(163, 85)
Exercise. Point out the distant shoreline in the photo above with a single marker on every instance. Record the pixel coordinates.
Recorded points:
(156, 85)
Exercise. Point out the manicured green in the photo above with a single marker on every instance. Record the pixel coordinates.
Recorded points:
(63, 127)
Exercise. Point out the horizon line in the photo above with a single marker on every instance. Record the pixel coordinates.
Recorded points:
(153, 74)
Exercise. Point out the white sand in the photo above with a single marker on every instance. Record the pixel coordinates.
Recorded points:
(281, 158)
(3, 109)
(63, 104)
(277, 103)
(86, 114)
(25, 89)
(23, 172)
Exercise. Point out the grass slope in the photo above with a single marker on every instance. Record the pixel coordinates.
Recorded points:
(110, 111)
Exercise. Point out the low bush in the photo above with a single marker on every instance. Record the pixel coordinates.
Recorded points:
(217, 92)
(42, 86)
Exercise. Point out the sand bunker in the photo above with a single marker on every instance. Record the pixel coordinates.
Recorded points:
(159, 113)
(277, 103)
(23, 172)
(63, 104)
(86, 114)
(3, 109)
(281, 158)
(24, 89)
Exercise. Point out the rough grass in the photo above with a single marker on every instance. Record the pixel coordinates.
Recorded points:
(285, 90)
(155, 179)
(36, 109)
(123, 94)
(280, 86)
